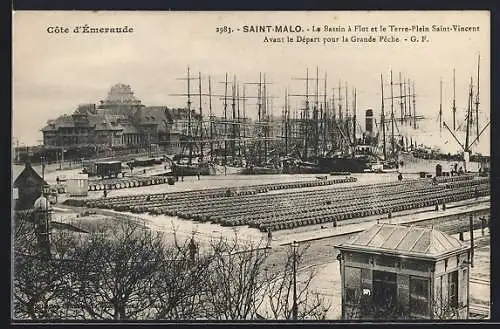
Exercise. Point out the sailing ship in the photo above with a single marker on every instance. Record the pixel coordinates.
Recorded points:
(328, 141)
(190, 163)
(349, 153)
(463, 135)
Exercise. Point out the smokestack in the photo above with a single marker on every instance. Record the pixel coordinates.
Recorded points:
(369, 122)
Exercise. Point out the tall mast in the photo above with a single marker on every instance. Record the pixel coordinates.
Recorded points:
(233, 126)
(334, 108)
(316, 105)
(333, 119)
(414, 107)
(306, 116)
(354, 119)
(265, 118)
(259, 112)
(347, 111)
(405, 100)
(190, 137)
(286, 122)
(383, 118)
(469, 113)
(201, 117)
(238, 120)
(454, 109)
(401, 97)
(408, 99)
(477, 99)
(225, 120)
(259, 99)
(341, 116)
(325, 117)
(211, 115)
(244, 121)
(392, 119)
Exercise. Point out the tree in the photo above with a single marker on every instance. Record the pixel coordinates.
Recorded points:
(126, 271)
(279, 298)
(179, 292)
(118, 272)
(442, 309)
(361, 306)
(235, 283)
(41, 287)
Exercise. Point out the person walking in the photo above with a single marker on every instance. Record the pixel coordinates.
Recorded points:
(269, 236)
(193, 250)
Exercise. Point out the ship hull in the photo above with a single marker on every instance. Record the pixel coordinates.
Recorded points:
(306, 169)
(339, 164)
(261, 171)
(192, 170)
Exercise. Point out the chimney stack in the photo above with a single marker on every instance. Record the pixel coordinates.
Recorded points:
(369, 122)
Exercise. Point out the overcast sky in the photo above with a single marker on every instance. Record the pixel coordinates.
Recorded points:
(53, 73)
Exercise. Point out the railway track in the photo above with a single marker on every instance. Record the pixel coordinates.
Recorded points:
(448, 223)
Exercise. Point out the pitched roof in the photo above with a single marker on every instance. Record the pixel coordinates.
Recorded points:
(152, 115)
(27, 173)
(62, 121)
(130, 129)
(405, 240)
(104, 121)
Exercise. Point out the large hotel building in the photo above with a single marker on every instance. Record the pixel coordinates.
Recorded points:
(119, 121)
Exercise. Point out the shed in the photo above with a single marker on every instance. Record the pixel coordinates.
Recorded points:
(144, 162)
(77, 185)
(109, 168)
(404, 272)
(27, 187)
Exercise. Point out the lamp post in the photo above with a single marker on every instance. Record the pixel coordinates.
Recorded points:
(43, 210)
(42, 163)
(295, 245)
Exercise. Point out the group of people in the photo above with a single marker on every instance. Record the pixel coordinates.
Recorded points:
(455, 170)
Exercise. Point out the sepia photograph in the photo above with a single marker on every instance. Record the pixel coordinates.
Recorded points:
(250, 165)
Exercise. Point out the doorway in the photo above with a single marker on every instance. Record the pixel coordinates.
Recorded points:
(384, 294)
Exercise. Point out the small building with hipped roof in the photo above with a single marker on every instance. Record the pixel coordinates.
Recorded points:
(404, 272)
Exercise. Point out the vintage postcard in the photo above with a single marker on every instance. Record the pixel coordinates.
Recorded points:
(229, 166)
